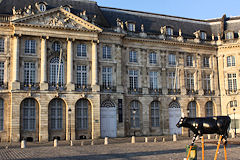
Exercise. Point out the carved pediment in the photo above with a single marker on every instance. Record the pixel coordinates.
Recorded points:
(58, 17)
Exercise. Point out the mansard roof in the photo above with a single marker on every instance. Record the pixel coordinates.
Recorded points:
(106, 17)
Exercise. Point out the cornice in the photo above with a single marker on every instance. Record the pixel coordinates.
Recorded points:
(172, 43)
(113, 34)
(229, 46)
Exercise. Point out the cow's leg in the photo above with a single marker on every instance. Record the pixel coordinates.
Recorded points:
(194, 139)
(219, 142)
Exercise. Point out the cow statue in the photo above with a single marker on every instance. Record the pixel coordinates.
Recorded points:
(206, 125)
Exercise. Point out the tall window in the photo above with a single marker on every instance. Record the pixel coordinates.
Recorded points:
(135, 114)
(205, 61)
(56, 112)
(152, 58)
(1, 45)
(29, 72)
(30, 46)
(54, 63)
(230, 61)
(155, 114)
(153, 80)
(82, 75)
(82, 50)
(82, 114)
(189, 80)
(133, 79)
(1, 114)
(107, 76)
(207, 82)
(107, 52)
(192, 109)
(171, 59)
(232, 82)
(189, 60)
(132, 56)
(209, 109)
(169, 31)
(29, 114)
(56, 46)
(172, 80)
(1, 73)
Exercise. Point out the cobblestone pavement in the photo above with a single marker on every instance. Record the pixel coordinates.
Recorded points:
(118, 151)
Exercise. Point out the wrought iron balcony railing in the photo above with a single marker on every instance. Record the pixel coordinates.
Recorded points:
(83, 88)
(232, 91)
(105, 88)
(29, 86)
(134, 90)
(56, 86)
(208, 92)
(174, 91)
(192, 92)
(155, 91)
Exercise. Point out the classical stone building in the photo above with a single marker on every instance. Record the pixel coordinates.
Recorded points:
(73, 69)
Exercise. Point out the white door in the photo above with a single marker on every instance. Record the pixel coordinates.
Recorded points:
(108, 122)
(174, 117)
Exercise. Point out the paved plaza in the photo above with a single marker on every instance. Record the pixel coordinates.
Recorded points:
(119, 149)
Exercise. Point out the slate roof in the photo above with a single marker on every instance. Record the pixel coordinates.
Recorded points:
(106, 17)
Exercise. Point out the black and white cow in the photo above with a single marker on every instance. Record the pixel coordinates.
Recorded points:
(206, 125)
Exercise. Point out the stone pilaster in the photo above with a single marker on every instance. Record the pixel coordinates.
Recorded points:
(164, 74)
(95, 86)
(43, 80)
(15, 63)
(43, 118)
(119, 68)
(70, 85)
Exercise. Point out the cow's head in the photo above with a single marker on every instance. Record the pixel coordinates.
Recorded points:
(181, 122)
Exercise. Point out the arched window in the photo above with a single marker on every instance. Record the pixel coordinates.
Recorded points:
(1, 114)
(209, 109)
(56, 113)
(155, 114)
(82, 114)
(29, 114)
(192, 109)
(135, 114)
(54, 63)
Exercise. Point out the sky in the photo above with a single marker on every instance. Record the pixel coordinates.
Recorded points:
(197, 9)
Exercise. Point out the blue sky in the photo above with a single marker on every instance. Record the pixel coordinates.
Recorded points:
(198, 9)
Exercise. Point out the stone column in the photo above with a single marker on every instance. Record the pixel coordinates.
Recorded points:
(70, 85)
(43, 81)
(15, 63)
(95, 86)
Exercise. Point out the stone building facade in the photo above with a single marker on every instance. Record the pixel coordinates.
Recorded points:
(75, 70)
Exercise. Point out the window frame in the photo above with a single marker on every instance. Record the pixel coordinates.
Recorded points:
(203, 35)
(106, 52)
(1, 114)
(169, 31)
(29, 73)
(30, 46)
(107, 76)
(81, 118)
(53, 72)
(229, 35)
(57, 119)
(231, 61)
(155, 114)
(172, 59)
(189, 61)
(172, 80)
(153, 79)
(133, 56)
(29, 115)
(207, 82)
(190, 81)
(2, 72)
(232, 81)
(152, 58)
(206, 61)
(135, 118)
(82, 75)
(42, 7)
(209, 109)
(81, 50)
(131, 27)
(133, 79)
(56, 46)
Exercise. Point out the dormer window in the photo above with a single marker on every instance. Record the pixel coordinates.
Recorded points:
(203, 35)
(169, 31)
(229, 35)
(42, 7)
(131, 27)
(66, 8)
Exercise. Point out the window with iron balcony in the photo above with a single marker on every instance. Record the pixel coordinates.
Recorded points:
(206, 61)
(232, 82)
(189, 61)
(56, 46)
